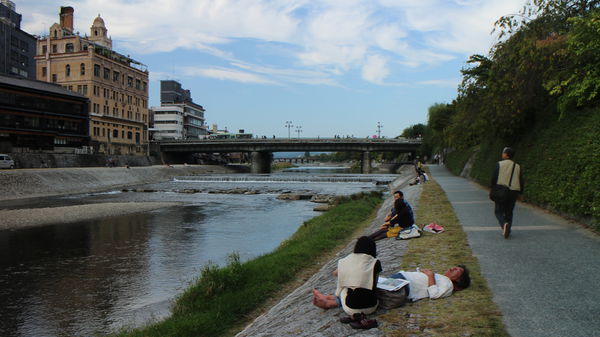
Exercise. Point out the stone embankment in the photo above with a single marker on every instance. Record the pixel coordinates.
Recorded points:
(27, 183)
(295, 315)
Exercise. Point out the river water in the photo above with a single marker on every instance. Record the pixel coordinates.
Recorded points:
(95, 277)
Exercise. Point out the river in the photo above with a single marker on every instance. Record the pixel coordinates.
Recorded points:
(98, 276)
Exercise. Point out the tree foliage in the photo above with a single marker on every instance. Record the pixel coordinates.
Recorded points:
(545, 65)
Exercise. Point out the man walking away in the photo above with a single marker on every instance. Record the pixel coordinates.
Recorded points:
(507, 173)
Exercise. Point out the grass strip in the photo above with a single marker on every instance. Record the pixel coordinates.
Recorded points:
(224, 296)
(466, 313)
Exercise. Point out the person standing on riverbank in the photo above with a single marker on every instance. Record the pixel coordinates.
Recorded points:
(507, 173)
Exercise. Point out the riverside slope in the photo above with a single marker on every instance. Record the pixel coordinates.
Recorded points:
(295, 314)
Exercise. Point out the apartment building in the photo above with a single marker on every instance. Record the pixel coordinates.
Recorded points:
(177, 117)
(116, 85)
(17, 48)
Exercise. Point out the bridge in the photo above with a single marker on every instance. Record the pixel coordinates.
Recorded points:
(261, 149)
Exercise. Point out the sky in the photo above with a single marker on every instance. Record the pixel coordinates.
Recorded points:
(331, 67)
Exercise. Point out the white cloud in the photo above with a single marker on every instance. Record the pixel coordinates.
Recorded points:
(319, 40)
(448, 83)
(375, 69)
(229, 74)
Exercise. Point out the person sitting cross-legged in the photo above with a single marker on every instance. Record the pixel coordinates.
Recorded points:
(401, 215)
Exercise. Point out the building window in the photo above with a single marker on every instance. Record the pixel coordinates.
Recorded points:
(54, 49)
(138, 84)
(24, 46)
(68, 70)
(85, 89)
(44, 71)
(69, 48)
(116, 76)
(44, 49)
(85, 47)
(54, 78)
(96, 70)
(82, 69)
(129, 135)
(115, 133)
(145, 86)
(130, 81)
(106, 74)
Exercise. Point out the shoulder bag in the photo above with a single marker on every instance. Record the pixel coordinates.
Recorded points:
(499, 193)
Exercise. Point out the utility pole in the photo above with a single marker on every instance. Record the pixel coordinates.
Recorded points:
(298, 129)
(379, 126)
(288, 124)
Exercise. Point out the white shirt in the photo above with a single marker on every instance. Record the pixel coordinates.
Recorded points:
(419, 286)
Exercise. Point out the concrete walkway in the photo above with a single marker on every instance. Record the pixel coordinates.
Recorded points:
(545, 278)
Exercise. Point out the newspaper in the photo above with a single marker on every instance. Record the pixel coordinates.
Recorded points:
(391, 284)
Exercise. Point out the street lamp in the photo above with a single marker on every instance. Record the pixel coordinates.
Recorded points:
(298, 129)
(288, 124)
(379, 126)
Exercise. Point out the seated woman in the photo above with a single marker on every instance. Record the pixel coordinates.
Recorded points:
(403, 217)
(357, 276)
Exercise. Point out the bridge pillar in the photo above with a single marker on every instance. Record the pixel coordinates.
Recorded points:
(366, 162)
(261, 162)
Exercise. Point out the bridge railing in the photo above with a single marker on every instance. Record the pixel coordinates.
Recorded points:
(295, 140)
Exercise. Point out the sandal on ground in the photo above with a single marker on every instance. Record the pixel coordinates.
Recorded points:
(364, 324)
(353, 318)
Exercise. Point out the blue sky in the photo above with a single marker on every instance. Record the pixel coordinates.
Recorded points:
(335, 67)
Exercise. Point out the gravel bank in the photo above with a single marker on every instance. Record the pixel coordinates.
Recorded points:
(295, 314)
(23, 218)
(28, 183)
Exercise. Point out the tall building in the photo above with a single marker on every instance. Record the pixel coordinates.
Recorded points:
(17, 48)
(116, 85)
(177, 117)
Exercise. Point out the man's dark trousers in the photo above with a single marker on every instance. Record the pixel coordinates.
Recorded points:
(504, 210)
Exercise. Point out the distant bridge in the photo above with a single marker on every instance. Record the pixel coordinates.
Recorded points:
(261, 149)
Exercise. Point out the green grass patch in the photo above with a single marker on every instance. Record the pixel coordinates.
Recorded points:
(470, 312)
(222, 297)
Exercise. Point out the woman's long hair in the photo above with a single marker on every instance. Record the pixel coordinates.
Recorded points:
(365, 245)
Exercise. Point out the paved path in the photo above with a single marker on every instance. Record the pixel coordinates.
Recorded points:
(545, 278)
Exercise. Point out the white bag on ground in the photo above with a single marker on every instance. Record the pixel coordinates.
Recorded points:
(409, 233)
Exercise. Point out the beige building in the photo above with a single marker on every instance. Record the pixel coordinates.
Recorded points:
(116, 85)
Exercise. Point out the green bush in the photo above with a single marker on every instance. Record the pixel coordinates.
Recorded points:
(456, 160)
(560, 160)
